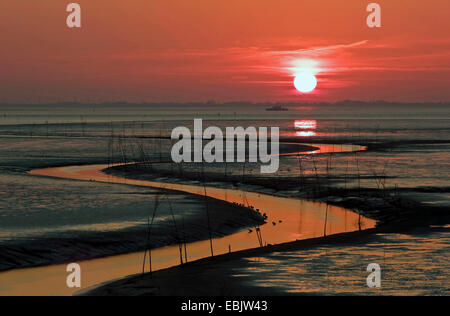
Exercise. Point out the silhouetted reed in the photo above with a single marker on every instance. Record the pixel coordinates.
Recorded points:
(177, 235)
(149, 231)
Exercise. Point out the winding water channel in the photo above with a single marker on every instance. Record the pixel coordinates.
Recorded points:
(289, 219)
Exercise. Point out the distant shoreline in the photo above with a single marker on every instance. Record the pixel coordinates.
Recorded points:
(231, 103)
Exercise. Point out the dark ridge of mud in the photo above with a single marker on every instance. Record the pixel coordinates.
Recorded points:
(226, 219)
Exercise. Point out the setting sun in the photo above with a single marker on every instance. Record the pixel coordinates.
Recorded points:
(305, 82)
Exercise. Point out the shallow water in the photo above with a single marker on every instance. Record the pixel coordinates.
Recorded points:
(411, 264)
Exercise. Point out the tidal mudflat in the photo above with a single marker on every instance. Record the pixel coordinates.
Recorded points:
(339, 180)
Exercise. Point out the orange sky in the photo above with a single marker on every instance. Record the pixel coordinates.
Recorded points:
(196, 50)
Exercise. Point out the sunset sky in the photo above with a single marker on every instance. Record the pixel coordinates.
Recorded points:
(198, 50)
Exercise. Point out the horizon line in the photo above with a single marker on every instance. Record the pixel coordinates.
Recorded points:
(213, 102)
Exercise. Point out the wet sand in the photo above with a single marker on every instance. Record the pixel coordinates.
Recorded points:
(212, 276)
(414, 262)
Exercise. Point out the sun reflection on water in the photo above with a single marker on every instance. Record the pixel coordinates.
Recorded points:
(305, 128)
(305, 124)
(305, 133)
